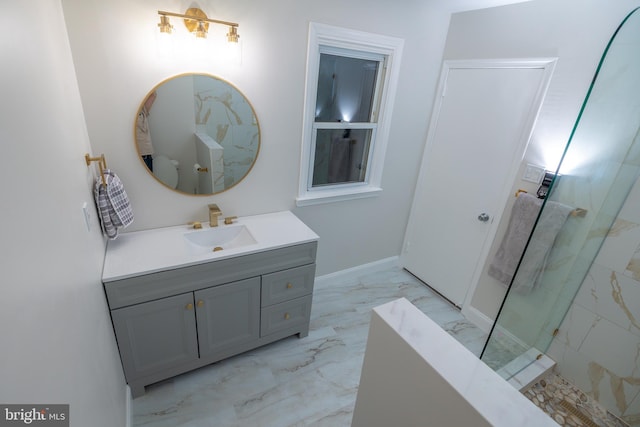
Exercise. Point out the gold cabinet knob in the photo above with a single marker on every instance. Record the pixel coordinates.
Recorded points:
(200, 303)
(189, 306)
(287, 316)
(289, 286)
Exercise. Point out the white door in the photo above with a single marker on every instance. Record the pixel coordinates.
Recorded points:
(478, 133)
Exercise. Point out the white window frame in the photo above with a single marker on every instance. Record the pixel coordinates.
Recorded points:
(322, 38)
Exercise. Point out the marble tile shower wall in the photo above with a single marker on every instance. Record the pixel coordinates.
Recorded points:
(598, 347)
(221, 118)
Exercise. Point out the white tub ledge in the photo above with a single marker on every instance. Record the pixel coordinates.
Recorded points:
(415, 374)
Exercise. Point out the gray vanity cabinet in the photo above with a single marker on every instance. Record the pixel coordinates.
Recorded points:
(228, 316)
(173, 321)
(156, 335)
(286, 299)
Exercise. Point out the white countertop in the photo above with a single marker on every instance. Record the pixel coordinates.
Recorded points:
(495, 400)
(148, 251)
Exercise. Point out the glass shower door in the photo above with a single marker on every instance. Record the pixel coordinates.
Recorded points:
(600, 165)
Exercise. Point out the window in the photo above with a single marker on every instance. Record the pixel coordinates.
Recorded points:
(351, 79)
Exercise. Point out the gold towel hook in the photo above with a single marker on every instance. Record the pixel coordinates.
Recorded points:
(102, 165)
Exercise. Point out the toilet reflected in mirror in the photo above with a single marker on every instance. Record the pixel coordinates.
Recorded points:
(197, 134)
(166, 170)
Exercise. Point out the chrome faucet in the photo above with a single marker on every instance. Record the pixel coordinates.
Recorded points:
(214, 213)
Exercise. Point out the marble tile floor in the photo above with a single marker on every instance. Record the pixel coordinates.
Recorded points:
(311, 381)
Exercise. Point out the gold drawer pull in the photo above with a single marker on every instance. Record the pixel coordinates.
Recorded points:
(189, 306)
(289, 286)
(200, 303)
(287, 316)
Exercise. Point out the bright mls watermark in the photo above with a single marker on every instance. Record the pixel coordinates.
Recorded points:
(34, 415)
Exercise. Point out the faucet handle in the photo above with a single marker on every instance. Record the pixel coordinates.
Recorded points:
(229, 220)
(196, 224)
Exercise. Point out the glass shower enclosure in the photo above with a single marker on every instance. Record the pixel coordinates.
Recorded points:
(600, 165)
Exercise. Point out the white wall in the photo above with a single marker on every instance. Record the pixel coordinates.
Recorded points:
(416, 374)
(57, 340)
(597, 347)
(114, 49)
(576, 32)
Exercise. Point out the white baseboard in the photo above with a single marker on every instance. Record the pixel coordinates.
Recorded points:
(485, 323)
(478, 318)
(128, 406)
(382, 264)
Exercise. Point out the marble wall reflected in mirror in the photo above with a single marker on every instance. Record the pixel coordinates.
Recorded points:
(197, 134)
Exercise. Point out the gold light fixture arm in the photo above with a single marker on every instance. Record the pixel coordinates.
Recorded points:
(197, 22)
(196, 18)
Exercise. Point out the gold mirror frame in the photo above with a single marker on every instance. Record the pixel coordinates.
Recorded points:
(202, 124)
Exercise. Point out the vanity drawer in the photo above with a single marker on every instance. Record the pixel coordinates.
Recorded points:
(287, 284)
(285, 315)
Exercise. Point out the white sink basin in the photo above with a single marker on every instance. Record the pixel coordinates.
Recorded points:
(220, 238)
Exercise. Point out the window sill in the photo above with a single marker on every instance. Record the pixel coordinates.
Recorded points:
(331, 196)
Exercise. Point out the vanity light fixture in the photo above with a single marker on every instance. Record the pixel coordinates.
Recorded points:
(197, 23)
(164, 25)
(200, 31)
(232, 35)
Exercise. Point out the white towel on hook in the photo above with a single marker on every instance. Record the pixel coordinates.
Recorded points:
(113, 204)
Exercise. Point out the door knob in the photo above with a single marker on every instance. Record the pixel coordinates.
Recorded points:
(483, 217)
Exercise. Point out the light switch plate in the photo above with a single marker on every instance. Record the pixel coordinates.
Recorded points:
(533, 174)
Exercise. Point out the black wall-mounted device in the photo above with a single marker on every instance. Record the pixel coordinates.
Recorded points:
(543, 190)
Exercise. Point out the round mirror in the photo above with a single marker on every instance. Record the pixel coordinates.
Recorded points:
(197, 134)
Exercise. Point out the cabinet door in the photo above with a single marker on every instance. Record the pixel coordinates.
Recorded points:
(228, 316)
(157, 335)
